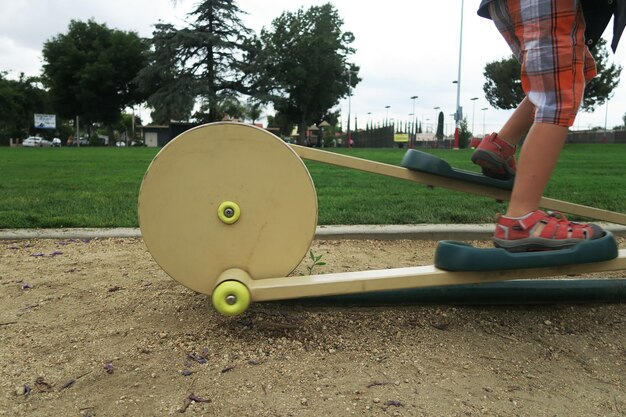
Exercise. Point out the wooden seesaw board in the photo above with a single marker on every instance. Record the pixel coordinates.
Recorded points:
(450, 183)
(283, 288)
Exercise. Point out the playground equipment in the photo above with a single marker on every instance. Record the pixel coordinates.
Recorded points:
(229, 210)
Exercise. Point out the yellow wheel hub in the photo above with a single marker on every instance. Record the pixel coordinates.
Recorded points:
(228, 212)
(231, 298)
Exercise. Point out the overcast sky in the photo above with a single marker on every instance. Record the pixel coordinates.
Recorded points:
(403, 48)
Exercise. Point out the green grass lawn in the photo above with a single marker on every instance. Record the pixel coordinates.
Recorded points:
(98, 187)
(70, 187)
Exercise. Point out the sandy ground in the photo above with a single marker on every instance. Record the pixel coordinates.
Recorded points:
(95, 328)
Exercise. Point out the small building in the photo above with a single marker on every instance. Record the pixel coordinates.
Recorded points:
(155, 135)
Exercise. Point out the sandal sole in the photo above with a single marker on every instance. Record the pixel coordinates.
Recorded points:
(460, 256)
(492, 165)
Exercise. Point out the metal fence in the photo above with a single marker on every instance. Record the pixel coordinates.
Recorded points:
(383, 138)
(597, 136)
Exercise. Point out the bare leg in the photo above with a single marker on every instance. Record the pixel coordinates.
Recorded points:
(537, 160)
(519, 123)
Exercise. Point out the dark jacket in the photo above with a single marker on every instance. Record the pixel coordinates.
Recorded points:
(597, 14)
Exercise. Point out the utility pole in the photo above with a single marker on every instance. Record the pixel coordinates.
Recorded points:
(484, 109)
(349, 136)
(459, 112)
(473, 111)
(412, 137)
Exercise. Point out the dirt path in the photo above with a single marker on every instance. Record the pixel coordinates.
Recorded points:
(95, 328)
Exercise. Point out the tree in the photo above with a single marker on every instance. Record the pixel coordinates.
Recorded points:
(439, 134)
(227, 109)
(503, 88)
(601, 88)
(464, 134)
(302, 64)
(170, 93)
(128, 124)
(90, 71)
(253, 110)
(8, 104)
(280, 122)
(19, 100)
(201, 61)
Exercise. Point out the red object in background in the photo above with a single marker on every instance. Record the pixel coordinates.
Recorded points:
(475, 142)
(456, 138)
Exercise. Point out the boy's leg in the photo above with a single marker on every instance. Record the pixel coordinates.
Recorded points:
(525, 227)
(555, 66)
(537, 160)
(496, 152)
(519, 123)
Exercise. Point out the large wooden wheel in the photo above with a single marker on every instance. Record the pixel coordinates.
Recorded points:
(227, 195)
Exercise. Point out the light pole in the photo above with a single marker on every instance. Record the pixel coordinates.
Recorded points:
(133, 127)
(437, 113)
(459, 111)
(413, 114)
(77, 133)
(413, 98)
(387, 117)
(484, 109)
(349, 106)
(473, 111)
(445, 124)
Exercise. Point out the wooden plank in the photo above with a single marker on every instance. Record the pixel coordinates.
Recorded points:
(403, 278)
(380, 168)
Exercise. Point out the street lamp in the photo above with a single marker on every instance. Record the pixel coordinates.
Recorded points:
(459, 116)
(436, 112)
(349, 106)
(413, 98)
(484, 109)
(473, 111)
(445, 124)
(413, 114)
(436, 122)
(387, 117)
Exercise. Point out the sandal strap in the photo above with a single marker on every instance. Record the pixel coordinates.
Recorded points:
(559, 228)
(550, 228)
(531, 221)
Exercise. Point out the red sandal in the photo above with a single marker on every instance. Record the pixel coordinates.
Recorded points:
(539, 231)
(496, 157)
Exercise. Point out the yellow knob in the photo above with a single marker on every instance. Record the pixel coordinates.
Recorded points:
(229, 212)
(231, 298)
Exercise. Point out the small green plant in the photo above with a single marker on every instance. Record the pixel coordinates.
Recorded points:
(315, 261)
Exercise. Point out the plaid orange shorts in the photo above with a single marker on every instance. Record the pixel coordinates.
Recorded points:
(548, 38)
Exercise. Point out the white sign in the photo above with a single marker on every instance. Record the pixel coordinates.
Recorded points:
(45, 121)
